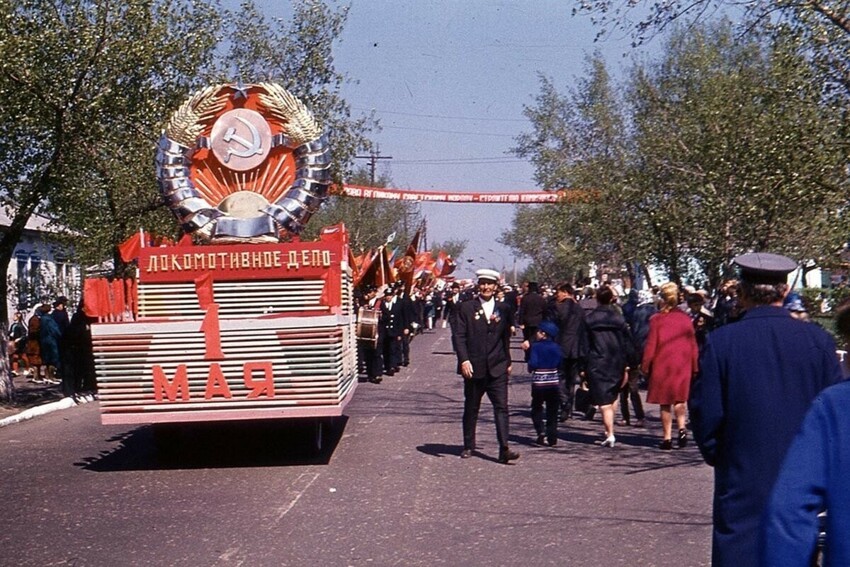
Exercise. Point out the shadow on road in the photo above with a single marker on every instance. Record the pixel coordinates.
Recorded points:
(220, 445)
(440, 449)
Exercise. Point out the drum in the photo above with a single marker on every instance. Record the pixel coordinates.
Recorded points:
(367, 325)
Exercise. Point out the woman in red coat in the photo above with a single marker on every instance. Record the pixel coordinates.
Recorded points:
(670, 361)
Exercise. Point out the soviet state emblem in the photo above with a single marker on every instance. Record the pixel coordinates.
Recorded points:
(243, 163)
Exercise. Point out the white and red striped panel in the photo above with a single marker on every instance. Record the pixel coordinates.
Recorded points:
(261, 368)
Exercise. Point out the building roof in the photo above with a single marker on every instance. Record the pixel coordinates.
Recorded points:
(36, 222)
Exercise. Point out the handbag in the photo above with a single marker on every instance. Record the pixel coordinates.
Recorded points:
(582, 401)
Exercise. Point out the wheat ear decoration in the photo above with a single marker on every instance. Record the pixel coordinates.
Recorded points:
(298, 122)
(186, 124)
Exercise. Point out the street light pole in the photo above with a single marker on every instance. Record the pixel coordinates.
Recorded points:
(504, 264)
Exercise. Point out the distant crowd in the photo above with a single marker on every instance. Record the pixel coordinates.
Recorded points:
(47, 346)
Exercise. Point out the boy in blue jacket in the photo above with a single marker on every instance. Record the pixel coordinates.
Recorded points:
(543, 363)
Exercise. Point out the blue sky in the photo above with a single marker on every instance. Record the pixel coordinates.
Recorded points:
(448, 81)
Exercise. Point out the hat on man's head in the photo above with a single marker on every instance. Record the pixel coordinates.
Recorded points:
(764, 267)
(61, 300)
(388, 290)
(549, 328)
(487, 275)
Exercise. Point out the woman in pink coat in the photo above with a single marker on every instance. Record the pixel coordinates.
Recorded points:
(670, 361)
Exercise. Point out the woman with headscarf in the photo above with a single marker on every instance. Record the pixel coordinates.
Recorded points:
(49, 337)
(670, 362)
(609, 354)
(33, 346)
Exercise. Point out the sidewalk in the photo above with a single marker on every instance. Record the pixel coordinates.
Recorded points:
(32, 398)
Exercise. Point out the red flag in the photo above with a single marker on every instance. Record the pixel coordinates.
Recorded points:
(92, 293)
(352, 263)
(117, 297)
(366, 272)
(413, 247)
(448, 266)
(130, 248)
(132, 296)
(386, 271)
(335, 233)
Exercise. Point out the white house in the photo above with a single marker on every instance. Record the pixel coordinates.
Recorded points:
(40, 270)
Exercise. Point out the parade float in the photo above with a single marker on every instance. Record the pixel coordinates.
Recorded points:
(242, 321)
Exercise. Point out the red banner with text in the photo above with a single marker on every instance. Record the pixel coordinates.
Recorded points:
(521, 197)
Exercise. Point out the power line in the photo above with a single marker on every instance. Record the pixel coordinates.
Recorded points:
(373, 160)
(468, 161)
(450, 131)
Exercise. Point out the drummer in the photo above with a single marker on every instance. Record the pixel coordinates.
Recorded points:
(371, 350)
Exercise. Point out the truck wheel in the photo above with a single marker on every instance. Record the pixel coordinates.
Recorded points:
(319, 427)
(323, 431)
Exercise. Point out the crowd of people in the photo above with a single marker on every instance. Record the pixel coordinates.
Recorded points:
(50, 347)
(738, 371)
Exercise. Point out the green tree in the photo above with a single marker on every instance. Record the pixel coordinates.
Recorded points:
(298, 54)
(736, 150)
(369, 221)
(83, 82)
(454, 247)
(722, 146)
(578, 141)
(821, 28)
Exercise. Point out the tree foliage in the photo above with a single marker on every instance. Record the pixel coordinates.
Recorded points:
(820, 28)
(85, 85)
(298, 54)
(454, 247)
(577, 141)
(722, 146)
(88, 84)
(369, 221)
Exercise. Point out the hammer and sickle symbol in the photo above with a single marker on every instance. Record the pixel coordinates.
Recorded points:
(251, 148)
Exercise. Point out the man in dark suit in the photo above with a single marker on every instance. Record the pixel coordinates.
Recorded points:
(572, 336)
(409, 323)
(532, 306)
(392, 327)
(482, 337)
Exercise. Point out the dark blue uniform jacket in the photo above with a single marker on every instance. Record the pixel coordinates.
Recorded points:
(757, 378)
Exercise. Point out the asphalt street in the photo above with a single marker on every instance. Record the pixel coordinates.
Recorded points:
(388, 488)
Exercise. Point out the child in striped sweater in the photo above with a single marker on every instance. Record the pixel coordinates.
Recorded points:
(543, 363)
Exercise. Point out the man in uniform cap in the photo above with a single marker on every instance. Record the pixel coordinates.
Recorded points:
(392, 328)
(482, 339)
(756, 380)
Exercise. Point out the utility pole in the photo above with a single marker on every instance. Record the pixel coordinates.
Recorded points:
(425, 234)
(373, 161)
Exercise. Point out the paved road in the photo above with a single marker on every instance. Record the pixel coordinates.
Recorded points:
(389, 490)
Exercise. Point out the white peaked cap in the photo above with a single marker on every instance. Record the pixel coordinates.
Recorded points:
(488, 275)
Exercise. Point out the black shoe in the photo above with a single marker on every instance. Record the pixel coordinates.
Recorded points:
(506, 455)
(375, 379)
(553, 441)
(683, 438)
(466, 453)
(389, 372)
(666, 445)
(541, 440)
